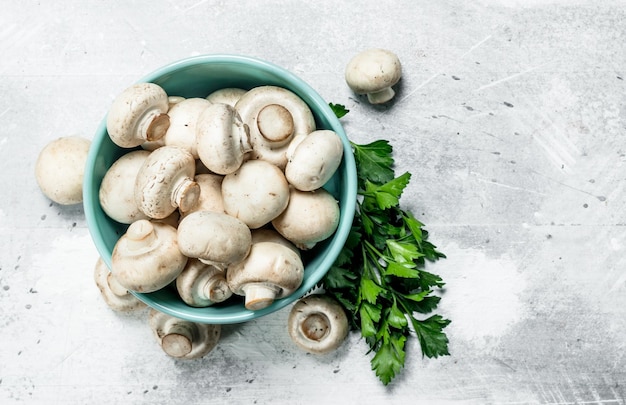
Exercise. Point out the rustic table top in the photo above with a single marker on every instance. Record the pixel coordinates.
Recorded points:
(511, 115)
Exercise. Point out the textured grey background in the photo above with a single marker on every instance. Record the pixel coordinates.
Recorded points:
(510, 115)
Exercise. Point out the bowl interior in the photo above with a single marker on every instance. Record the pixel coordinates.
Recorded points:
(197, 77)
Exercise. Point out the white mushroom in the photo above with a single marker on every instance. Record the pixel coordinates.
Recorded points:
(317, 324)
(146, 258)
(60, 168)
(374, 72)
(256, 193)
(117, 190)
(310, 217)
(214, 238)
(202, 285)
(275, 116)
(210, 193)
(183, 119)
(222, 139)
(228, 95)
(138, 114)
(116, 296)
(313, 159)
(269, 272)
(271, 235)
(166, 182)
(183, 339)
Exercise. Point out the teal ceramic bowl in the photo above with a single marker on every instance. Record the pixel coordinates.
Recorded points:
(197, 77)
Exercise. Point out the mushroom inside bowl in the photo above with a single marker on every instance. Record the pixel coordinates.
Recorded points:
(198, 77)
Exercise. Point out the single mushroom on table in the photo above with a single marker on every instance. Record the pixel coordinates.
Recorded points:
(183, 121)
(60, 168)
(147, 258)
(228, 95)
(274, 116)
(270, 271)
(310, 217)
(183, 339)
(138, 115)
(256, 193)
(202, 285)
(165, 182)
(317, 324)
(374, 72)
(116, 296)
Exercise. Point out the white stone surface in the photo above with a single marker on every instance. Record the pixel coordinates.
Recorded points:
(511, 115)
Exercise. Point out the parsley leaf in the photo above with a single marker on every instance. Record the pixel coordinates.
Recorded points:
(340, 110)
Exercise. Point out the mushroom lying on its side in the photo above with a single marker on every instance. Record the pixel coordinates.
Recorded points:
(202, 285)
(183, 339)
(317, 324)
(116, 296)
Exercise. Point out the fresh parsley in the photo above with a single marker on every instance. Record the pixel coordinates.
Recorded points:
(339, 109)
(379, 277)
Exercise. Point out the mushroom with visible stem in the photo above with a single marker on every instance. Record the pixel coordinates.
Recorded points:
(210, 193)
(138, 114)
(202, 285)
(116, 296)
(228, 95)
(270, 271)
(183, 339)
(374, 72)
(166, 182)
(222, 139)
(214, 238)
(313, 159)
(256, 193)
(183, 120)
(117, 190)
(60, 168)
(310, 217)
(317, 324)
(274, 116)
(147, 258)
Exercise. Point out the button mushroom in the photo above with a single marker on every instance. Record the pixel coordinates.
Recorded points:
(117, 190)
(256, 193)
(374, 72)
(313, 159)
(165, 182)
(310, 217)
(275, 116)
(183, 119)
(269, 272)
(271, 235)
(202, 285)
(183, 339)
(147, 258)
(228, 95)
(116, 296)
(60, 167)
(317, 324)
(214, 238)
(222, 139)
(137, 115)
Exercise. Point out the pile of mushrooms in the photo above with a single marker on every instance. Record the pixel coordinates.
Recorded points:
(220, 194)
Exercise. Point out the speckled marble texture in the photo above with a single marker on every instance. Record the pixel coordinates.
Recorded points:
(511, 115)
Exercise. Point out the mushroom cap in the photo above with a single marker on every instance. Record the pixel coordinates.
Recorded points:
(270, 271)
(222, 139)
(183, 339)
(214, 238)
(256, 193)
(138, 114)
(317, 324)
(373, 70)
(117, 297)
(271, 235)
(228, 95)
(210, 193)
(310, 217)
(165, 182)
(60, 168)
(147, 258)
(183, 119)
(314, 160)
(202, 285)
(117, 190)
(274, 115)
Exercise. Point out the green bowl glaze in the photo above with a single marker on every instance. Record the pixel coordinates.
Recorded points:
(197, 77)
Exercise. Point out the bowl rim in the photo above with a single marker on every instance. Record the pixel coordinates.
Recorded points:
(349, 185)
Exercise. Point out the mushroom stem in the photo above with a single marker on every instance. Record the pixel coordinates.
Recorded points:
(154, 125)
(186, 194)
(381, 96)
(140, 235)
(178, 339)
(315, 326)
(259, 295)
(216, 289)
